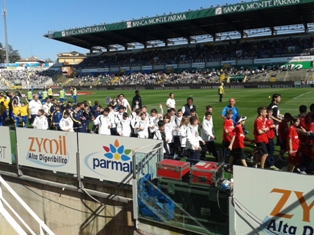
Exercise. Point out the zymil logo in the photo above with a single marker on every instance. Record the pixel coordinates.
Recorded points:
(116, 158)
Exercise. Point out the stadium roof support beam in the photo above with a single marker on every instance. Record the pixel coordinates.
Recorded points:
(273, 30)
(306, 28)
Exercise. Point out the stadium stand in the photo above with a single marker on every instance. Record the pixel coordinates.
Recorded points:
(36, 78)
(231, 50)
(249, 49)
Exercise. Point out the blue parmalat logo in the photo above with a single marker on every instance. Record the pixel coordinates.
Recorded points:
(115, 158)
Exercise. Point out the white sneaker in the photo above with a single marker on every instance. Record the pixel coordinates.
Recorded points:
(274, 168)
(300, 171)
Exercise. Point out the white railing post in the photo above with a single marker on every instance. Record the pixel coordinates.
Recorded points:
(43, 227)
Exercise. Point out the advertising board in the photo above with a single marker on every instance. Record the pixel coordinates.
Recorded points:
(272, 202)
(5, 145)
(48, 150)
(110, 157)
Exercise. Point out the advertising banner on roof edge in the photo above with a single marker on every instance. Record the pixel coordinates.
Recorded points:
(5, 145)
(254, 5)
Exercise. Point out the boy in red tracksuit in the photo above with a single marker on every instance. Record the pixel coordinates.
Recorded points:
(270, 145)
(293, 144)
(227, 134)
(260, 136)
(237, 143)
(283, 135)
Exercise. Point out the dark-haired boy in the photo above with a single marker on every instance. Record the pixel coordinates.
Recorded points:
(161, 135)
(260, 136)
(270, 145)
(237, 143)
(283, 135)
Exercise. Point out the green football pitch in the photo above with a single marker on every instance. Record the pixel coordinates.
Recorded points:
(247, 101)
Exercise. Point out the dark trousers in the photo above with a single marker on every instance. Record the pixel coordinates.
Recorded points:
(225, 152)
(211, 148)
(31, 120)
(177, 144)
(220, 97)
(113, 131)
(194, 156)
(270, 150)
(11, 113)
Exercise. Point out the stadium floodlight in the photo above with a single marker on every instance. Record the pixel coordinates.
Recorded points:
(4, 13)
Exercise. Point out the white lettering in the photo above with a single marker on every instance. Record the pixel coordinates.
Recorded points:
(84, 30)
(257, 5)
(157, 20)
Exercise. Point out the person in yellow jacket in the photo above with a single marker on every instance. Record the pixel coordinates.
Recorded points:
(50, 93)
(1, 97)
(74, 94)
(24, 113)
(16, 114)
(61, 95)
(6, 103)
(45, 95)
(29, 95)
(221, 92)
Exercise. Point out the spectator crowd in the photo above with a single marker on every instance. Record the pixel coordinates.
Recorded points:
(207, 52)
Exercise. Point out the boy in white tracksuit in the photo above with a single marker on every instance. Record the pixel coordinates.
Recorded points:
(66, 123)
(161, 135)
(193, 141)
(142, 127)
(124, 126)
(208, 136)
(104, 122)
(40, 121)
(183, 133)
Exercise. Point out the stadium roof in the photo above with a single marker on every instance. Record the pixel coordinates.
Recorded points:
(227, 18)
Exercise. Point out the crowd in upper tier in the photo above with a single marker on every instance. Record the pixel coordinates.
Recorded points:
(204, 53)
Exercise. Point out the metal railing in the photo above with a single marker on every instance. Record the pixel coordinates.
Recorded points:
(43, 228)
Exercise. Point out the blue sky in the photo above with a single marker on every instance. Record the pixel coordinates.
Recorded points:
(28, 21)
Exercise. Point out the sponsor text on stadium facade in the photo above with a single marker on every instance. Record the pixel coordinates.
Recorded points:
(156, 20)
(93, 29)
(254, 6)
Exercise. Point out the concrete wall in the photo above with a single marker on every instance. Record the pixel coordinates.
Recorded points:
(68, 212)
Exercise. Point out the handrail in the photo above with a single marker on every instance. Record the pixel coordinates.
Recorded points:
(43, 226)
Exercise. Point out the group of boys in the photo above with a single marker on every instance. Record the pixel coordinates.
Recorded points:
(296, 139)
(114, 120)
